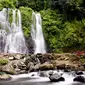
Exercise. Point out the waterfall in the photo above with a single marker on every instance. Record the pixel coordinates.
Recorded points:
(11, 35)
(3, 32)
(37, 34)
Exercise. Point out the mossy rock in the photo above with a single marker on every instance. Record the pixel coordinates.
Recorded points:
(5, 77)
(1, 73)
(3, 61)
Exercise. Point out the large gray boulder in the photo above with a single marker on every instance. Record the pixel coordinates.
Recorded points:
(8, 68)
(79, 79)
(56, 78)
(79, 72)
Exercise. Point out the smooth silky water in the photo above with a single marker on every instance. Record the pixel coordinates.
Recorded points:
(37, 34)
(29, 79)
(11, 35)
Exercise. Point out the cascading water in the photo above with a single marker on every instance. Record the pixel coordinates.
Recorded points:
(37, 34)
(11, 36)
(3, 32)
(35, 79)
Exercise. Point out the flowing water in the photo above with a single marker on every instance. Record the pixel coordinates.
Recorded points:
(11, 34)
(37, 34)
(28, 79)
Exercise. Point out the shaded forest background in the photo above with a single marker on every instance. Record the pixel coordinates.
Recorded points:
(63, 22)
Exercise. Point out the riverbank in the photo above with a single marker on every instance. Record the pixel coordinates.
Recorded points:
(22, 63)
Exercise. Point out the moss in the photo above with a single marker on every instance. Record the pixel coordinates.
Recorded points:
(1, 73)
(26, 20)
(3, 61)
(82, 60)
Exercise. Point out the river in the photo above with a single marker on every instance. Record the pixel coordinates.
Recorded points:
(34, 79)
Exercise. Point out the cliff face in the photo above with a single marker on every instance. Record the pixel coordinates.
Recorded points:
(21, 63)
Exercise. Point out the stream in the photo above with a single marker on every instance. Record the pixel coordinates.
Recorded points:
(34, 79)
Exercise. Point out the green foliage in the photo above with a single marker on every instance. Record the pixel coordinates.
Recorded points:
(34, 4)
(63, 21)
(73, 33)
(51, 25)
(7, 3)
(26, 20)
(3, 61)
(60, 34)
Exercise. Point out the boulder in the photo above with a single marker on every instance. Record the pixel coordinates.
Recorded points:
(5, 77)
(36, 67)
(30, 67)
(79, 79)
(8, 68)
(17, 57)
(51, 73)
(21, 66)
(56, 78)
(28, 59)
(46, 66)
(67, 70)
(11, 58)
(61, 66)
(79, 72)
(43, 74)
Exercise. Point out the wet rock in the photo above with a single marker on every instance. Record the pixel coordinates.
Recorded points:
(21, 66)
(32, 58)
(30, 64)
(67, 70)
(61, 66)
(17, 71)
(51, 73)
(79, 79)
(27, 60)
(79, 72)
(36, 67)
(83, 65)
(8, 68)
(43, 74)
(5, 77)
(17, 57)
(22, 72)
(11, 58)
(30, 67)
(56, 78)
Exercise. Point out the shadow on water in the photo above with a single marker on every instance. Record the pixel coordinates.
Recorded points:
(22, 82)
(25, 81)
(78, 84)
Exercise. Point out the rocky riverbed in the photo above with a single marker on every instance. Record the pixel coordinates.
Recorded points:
(22, 63)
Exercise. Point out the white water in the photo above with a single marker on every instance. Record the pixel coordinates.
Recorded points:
(37, 34)
(11, 34)
(43, 80)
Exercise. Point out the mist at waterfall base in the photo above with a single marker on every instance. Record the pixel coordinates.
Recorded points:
(29, 79)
